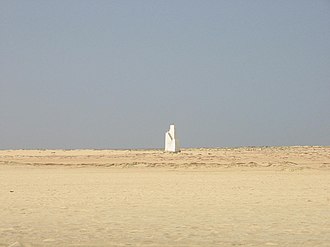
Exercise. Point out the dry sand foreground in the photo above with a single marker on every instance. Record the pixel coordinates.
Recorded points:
(275, 196)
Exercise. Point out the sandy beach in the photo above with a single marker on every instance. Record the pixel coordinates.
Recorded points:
(253, 196)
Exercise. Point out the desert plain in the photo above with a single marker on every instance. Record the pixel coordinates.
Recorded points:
(247, 196)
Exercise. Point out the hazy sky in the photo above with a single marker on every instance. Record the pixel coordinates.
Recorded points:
(115, 74)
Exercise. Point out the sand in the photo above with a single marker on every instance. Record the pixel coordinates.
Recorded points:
(270, 196)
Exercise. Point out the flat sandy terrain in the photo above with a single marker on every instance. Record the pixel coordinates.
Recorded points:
(274, 196)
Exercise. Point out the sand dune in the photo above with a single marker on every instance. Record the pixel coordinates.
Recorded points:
(276, 196)
(277, 158)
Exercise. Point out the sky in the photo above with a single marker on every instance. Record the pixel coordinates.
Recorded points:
(115, 74)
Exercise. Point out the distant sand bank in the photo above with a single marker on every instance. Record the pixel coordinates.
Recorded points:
(278, 158)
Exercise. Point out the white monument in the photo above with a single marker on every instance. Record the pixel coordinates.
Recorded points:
(171, 142)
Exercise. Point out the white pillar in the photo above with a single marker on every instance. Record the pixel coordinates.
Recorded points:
(171, 142)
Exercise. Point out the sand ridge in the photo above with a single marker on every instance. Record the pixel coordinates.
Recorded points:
(279, 158)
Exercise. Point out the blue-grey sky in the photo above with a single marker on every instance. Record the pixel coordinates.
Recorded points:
(115, 74)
